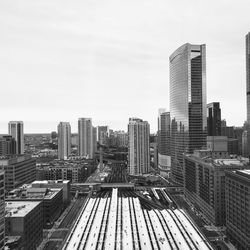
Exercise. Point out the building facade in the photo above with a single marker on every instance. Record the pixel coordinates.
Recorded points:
(19, 169)
(138, 146)
(2, 210)
(25, 219)
(64, 140)
(204, 183)
(248, 90)
(85, 137)
(213, 119)
(164, 158)
(103, 134)
(238, 208)
(16, 131)
(187, 104)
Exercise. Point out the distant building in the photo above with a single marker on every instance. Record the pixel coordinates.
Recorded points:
(7, 145)
(19, 169)
(2, 210)
(138, 147)
(187, 104)
(238, 207)
(94, 140)
(244, 144)
(103, 134)
(25, 219)
(204, 183)
(64, 140)
(16, 131)
(164, 158)
(85, 137)
(213, 119)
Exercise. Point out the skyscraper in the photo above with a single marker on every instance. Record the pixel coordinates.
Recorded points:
(64, 140)
(164, 159)
(213, 119)
(138, 146)
(85, 137)
(103, 133)
(248, 90)
(187, 104)
(16, 131)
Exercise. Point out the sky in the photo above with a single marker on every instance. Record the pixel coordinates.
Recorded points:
(109, 59)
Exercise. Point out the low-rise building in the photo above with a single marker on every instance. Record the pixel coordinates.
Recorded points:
(19, 169)
(25, 219)
(204, 183)
(238, 207)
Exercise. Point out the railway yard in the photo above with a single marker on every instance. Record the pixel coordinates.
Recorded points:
(125, 217)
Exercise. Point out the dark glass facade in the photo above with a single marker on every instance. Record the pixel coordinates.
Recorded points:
(213, 119)
(187, 104)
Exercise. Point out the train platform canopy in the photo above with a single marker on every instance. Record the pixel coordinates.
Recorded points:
(120, 223)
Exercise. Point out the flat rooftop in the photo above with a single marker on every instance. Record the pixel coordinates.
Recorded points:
(19, 208)
(244, 172)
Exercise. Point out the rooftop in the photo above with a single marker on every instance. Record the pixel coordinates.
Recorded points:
(19, 208)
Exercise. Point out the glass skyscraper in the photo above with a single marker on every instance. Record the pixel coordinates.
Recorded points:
(187, 104)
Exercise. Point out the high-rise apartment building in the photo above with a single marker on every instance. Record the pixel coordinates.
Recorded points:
(138, 146)
(248, 89)
(16, 131)
(164, 159)
(85, 137)
(64, 140)
(94, 140)
(213, 119)
(187, 104)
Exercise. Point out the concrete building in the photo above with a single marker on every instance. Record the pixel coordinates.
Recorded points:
(204, 183)
(238, 207)
(64, 184)
(64, 140)
(52, 200)
(25, 219)
(19, 169)
(138, 147)
(188, 106)
(7, 145)
(16, 131)
(244, 144)
(85, 137)
(164, 158)
(94, 140)
(213, 119)
(248, 90)
(2, 210)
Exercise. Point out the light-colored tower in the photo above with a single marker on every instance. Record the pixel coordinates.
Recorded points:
(16, 131)
(85, 137)
(187, 104)
(138, 146)
(64, 140)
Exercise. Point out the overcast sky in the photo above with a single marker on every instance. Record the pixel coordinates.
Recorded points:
(109, 59)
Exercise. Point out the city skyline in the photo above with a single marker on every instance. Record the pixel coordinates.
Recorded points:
(93, 55)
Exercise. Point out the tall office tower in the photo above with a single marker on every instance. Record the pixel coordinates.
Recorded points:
(85, 137)
(2, 209)
(64, 140)
(187, 104)
(94, 140)
(164, 159)
(248, 90)
(103, 134)
(213, 119)
(138, 146)
(16, 131)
